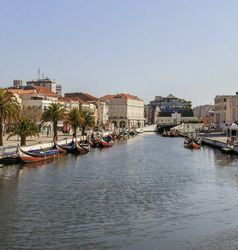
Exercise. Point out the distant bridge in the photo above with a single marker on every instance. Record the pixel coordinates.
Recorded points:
(162, 127)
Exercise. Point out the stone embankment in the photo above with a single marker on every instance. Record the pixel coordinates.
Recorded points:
(221, 143)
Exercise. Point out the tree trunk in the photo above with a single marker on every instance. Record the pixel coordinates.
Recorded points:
(1, 133)
(23, 141)
(75, 131)
(55, 130)
(83, 129)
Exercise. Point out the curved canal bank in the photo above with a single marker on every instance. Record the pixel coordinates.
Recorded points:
(145, 193)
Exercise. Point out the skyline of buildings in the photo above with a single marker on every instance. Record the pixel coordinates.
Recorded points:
(53, 86)
(122, 109)
(39, 94)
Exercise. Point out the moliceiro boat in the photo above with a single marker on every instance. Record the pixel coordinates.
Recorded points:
(82, 148)
(106, 141)
(68, 148)
(38, 155)
(74, 147)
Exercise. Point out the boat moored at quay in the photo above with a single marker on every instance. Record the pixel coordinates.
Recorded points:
(38, 155)
(54, 150)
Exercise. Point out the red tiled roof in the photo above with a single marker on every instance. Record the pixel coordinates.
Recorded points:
(127, 96)
(83, 96)
(90, 97)
(75, 99)
(64, 99)
(45, 91)
(33, 90)
(21, 91)
(106, 98)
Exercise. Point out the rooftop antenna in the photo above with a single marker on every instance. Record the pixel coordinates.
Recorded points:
(38, 73)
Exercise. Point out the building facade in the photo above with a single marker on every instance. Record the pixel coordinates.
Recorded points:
(126, 111)
(205, 113)
(17, 83)
(175, 118)
(226, 110)
(35, 97)
(59, 90)
(96, 106)
(169, 104)
(45, 82)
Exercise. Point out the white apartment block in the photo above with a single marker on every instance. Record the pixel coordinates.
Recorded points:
(35, 97)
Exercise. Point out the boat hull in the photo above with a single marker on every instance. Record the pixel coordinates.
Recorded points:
(105, 143)
(26, 157)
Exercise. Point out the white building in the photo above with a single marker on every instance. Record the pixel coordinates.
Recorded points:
(35, 97)
(46, 83)
(126, 111)
(68, 103)
(186, 128)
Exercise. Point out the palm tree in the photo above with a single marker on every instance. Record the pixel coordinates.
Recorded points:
(54, 114)
(9, 110)
(75, 119)
(88, 120)
(24, 128)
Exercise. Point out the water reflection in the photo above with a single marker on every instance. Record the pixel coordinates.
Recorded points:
(220, 159)
(9, 172)
(147, 193)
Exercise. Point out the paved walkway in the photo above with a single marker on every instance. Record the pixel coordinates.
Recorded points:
(43, 138)
(220, 139)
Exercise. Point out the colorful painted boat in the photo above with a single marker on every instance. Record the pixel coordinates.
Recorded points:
(40, 155)
(68, 148)
(81, 148)
(104, 143)
(92, 142)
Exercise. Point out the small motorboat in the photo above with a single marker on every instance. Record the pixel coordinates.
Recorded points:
(191, 143)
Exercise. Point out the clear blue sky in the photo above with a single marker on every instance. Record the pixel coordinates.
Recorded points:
(145, 47)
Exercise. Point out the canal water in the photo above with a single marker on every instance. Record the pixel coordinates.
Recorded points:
(147, 193)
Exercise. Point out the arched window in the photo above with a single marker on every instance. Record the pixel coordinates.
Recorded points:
(122, 124)
(114, 123)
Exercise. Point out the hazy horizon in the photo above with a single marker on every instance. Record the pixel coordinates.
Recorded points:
(146, 48)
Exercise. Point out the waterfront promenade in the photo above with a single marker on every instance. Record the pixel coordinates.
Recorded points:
(43, 138)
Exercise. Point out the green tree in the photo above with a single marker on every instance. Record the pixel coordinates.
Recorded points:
(75, 119)
(88, 120)
(9, 110)
(54, 114)
(23, 128)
